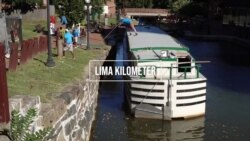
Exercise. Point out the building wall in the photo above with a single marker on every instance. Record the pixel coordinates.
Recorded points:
(111, 8)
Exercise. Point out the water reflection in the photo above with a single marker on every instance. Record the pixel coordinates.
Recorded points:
(110, 122)
(229, 67)
(228, 91)
(158, 130)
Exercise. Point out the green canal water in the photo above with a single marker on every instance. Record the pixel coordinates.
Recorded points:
(227, 108)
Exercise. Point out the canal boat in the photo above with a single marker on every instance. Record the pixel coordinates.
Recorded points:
(176, 89)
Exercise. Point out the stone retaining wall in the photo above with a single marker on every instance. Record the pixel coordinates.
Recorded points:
(70, 113)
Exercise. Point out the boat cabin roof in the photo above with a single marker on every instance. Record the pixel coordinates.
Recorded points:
(151, 41)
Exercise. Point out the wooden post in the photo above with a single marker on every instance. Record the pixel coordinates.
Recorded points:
(35, 47)
(45, 43)
(4, 100)
(29, 49)
(13, 57)
(23, 57)
(32, 48)
(40, 44)
(59, 43)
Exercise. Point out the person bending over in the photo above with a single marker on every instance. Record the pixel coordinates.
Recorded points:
(128, 23)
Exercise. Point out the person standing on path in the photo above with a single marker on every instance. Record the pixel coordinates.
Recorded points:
(76, 34)
(52, 25)
(68, 38)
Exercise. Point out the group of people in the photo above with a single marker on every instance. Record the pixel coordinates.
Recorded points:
(71, 38)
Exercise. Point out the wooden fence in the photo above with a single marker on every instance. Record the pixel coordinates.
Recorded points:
(20, 54)
(4, 103)
(29, 49)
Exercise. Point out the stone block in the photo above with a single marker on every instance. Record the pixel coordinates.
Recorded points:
(2, 128)
(61, 137)
(15, 104)
(55, 133)
(68, 128)
(69, 94)
(31, 102)
(4, 138)
(53, 112)
(22, 103)
(72, 110)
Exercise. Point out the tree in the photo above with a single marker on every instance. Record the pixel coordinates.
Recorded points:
(97, 7)
(24, 5)
(147, 3)
(161, 3)
(188, 8)
(17, 3)
(140, 3)
(74, 9)
(179, 4)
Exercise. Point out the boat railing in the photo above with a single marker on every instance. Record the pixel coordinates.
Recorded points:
(197, 66)
(186, 68)
(181, 48)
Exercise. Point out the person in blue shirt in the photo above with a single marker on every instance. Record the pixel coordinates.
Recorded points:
(68, 39)
(128, 23)
(64, 20)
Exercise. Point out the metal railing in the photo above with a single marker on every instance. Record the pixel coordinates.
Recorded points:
(186, 68)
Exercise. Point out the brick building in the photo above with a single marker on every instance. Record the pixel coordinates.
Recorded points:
(111, 7)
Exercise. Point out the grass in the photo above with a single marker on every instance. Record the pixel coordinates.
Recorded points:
(34, 78)
(112, 21)
(29, 26)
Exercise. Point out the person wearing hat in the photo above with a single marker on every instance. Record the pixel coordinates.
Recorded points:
(68, 39)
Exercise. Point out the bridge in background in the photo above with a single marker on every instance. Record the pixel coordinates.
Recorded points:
(147, 12)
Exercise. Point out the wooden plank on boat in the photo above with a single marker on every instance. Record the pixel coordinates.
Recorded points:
(149, 111)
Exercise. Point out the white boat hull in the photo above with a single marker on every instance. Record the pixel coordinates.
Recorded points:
(171, 98)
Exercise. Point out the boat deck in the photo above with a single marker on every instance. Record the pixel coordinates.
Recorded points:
(152, 37)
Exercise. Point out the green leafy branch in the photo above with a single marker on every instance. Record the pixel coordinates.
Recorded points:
(20, 127)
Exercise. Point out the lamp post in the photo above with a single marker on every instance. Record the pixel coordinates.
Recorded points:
(50, 62)
(88, 9)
